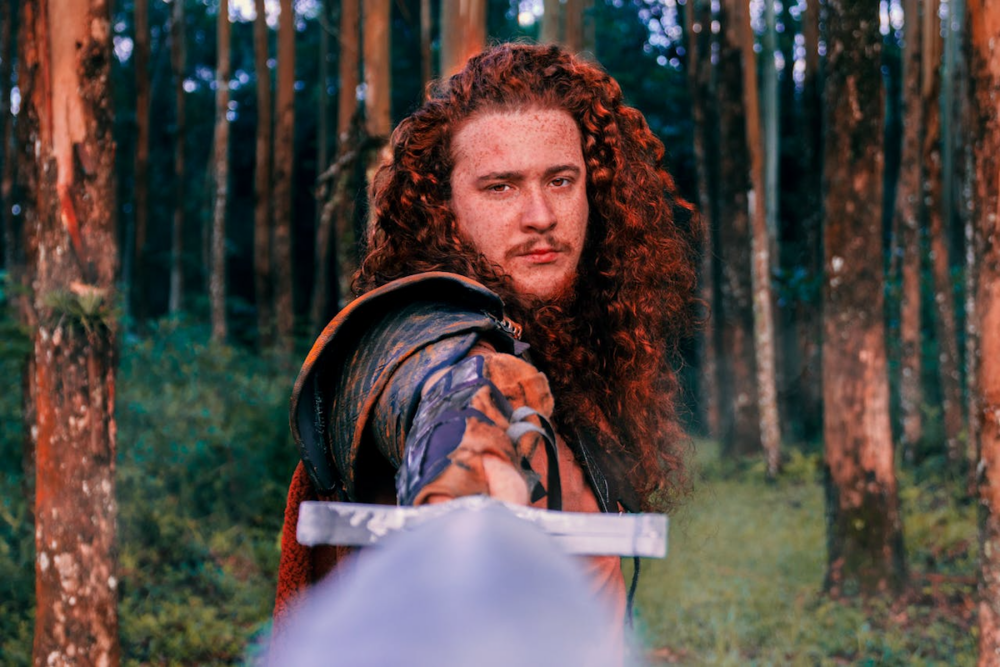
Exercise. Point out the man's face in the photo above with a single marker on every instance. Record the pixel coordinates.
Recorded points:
(519, 195)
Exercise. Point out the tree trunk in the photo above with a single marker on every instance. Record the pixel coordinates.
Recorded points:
(983, 24)
(741, 434)
(698, 21)
(908, 207)
(550, 31)
(262, 185)
(463, 33)
(864, 525)
(7, 134)
(141, 174)
(944, 301)
(220, 167)
(284, 157)
(66, 56)
(760, 274)
(426, 64)
(347, 102)
(573, 38)
(178, 61)
(808, 315)
(321, 281)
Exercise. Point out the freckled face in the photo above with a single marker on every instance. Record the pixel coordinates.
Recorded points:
(519, 195)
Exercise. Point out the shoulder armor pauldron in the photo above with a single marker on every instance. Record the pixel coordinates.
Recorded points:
(433, 318)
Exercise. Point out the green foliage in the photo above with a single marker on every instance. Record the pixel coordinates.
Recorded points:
(742, 582)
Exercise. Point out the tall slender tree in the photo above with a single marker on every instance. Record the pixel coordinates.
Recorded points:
(737, 368)
(220, 170)
(347, 106)
(908, 207)
(697, 30)
(463, 33)
(262, 220)
(551, 30)
(377, 71)
(760, 267)
(324, 224)
(140, 207)
(284, 158)
(426, 64)
(178, 63)
(944, 300)
(983, 24)
(865, 544)
(65, 63)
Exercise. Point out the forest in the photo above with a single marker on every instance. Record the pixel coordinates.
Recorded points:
(183, 203)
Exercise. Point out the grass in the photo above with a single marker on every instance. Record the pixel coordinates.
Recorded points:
(742, 582)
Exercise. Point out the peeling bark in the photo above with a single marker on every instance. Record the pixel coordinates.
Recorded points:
(741, 434)
(72, 254)
(983, 23)
(220, 169)
(463, 33)
(262, 220)
(284, 157)
(760, 243)
(865, 540)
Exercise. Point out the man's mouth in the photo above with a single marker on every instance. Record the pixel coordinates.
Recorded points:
(540, 253)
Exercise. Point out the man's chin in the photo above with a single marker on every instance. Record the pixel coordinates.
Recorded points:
(538, 295)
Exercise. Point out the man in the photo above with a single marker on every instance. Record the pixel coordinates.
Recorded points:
(530, 272)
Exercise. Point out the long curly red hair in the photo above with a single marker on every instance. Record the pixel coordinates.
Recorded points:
(607, 349)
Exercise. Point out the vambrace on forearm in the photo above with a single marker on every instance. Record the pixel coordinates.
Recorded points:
(484, 406)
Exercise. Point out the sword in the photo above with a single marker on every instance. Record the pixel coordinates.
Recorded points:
(578, 533)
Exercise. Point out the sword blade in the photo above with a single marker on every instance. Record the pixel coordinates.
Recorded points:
(578, 533)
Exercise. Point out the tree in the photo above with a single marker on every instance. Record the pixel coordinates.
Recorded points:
(760, 267)
(463, 33)
(220, 168)
(284, 159)
(698, 19)
(947, 333)
(178, 61)
(377, 70)
(864, 541)
(141, 189)
(7, 158)
(908, 207)
(550, 32)
(72, 254)
(262, 273)
(347, 106)
(983, 23)
(737, 377)
(323, 223)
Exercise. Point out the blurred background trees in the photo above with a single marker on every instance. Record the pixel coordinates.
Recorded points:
(840, 154)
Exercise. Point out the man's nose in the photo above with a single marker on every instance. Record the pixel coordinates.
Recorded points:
(538, 214)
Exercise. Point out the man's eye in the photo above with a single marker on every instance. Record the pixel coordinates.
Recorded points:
(562, 181)
(498, 187)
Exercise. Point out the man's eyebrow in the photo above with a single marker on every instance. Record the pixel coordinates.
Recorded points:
(517, 175)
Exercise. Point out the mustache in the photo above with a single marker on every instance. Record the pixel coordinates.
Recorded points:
(529, 246)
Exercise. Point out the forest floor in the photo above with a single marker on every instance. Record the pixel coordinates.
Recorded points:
(204, 459)
(742, 581)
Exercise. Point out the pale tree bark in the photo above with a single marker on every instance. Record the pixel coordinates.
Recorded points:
(908, 208)
(284, 157)
(7, 134)
(346, 245)
(770, 113)
(262, 274)
(944, 300)
(550, 30)
(697, 30)
(865, 544)
(983, 24)
(760, 273)
(808, 317)
(141, 174)
(220, 169)
(463, 33)
(73, 259)
(178, 63)
(740, 431)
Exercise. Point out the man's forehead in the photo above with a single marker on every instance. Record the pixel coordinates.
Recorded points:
(533, 138)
